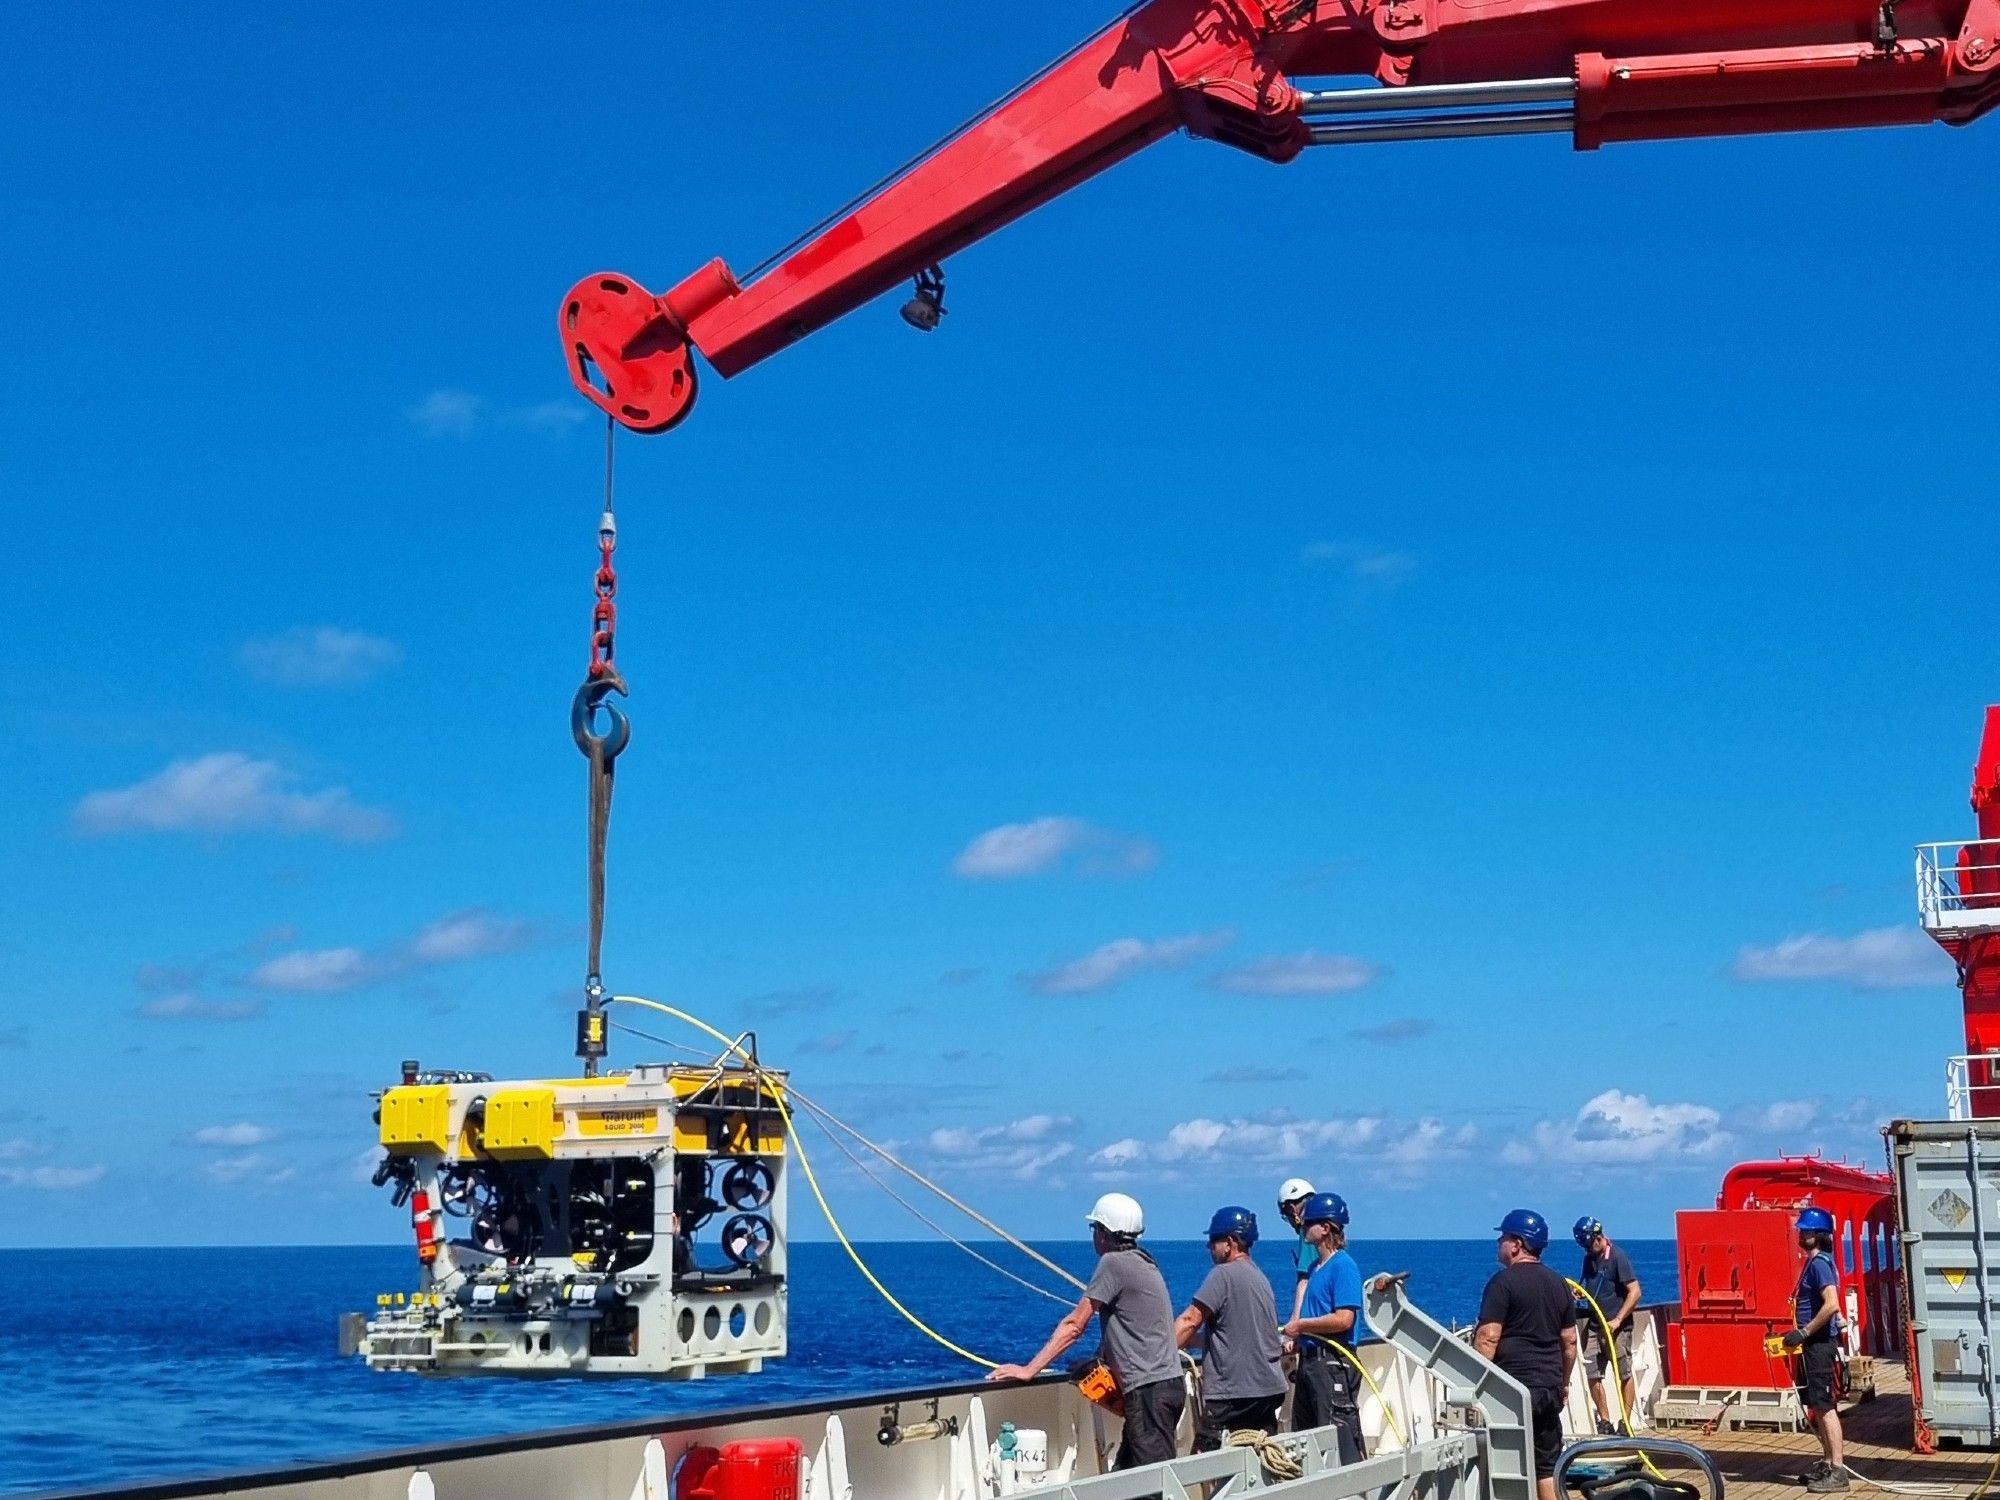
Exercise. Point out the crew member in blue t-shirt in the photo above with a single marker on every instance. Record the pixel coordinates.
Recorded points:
(1292, 1195)
(1323, 1388)
(1818, 1311)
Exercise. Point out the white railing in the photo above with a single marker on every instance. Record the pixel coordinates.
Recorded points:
(1958, 886)
(1969, 1094)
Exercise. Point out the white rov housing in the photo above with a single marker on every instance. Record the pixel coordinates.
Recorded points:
(559, 1225)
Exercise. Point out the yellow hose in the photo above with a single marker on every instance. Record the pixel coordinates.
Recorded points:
(1355, 1360)
(833, 1223)
(1617, 1377)
(812, 1181)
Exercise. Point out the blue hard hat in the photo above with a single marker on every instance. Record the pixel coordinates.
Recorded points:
(1816, 1219)
(1233, 1223)
(1587, 1229)
(1527, 1226)
(1324, 1208)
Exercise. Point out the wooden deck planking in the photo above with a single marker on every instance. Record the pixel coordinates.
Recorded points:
(1766, 1465)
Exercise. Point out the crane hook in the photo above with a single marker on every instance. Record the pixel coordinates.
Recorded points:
(583, 712)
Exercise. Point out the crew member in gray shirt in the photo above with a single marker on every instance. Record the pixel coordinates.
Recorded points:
(1130, 1297)
(1242, 1382)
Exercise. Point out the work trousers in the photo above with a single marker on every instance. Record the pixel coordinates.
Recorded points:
(1323, 1396)
(1152, 1417)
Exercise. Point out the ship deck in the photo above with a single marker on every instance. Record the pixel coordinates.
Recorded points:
(1765, 1465)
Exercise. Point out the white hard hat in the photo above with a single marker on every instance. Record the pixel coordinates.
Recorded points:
(1292, 1189)
(1116, 1213)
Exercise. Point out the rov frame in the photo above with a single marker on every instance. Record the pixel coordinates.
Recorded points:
(558, 1224)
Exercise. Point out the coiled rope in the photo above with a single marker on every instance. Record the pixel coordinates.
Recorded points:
(1278, 1460)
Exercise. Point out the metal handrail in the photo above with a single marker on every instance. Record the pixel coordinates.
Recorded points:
(1942, 900)
(1626, 1445)
(1960, 1091)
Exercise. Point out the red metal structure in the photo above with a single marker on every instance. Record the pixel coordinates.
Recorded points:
(1228, 70)
(1970, 935)
(1740, 1262)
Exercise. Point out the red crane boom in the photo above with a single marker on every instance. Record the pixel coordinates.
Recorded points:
(1230, 70)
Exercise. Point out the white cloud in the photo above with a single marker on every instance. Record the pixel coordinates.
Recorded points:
(1117, 961)
(186, 1005)
(1883, 958)
(453, 413)
(228, 792)
(474, 933)
(317, 656)
(16, 1149)
(1787, 1114)
(1021, 1149)
(1370, 566)
(1119, 1153)
(455, 937)
(1014, 850)
(1428, 1141)
(447, 414)
(1292, 974)
(1372, 1146)
(1620, 1129)
(50, 1179)
(551, 417)
(1280, 1140)
(252, 1167)
(236, 1136)
(322, 971)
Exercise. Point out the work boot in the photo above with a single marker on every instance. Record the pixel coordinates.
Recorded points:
(1832, 1482)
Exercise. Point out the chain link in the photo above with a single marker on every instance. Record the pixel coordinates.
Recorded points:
(604, 614)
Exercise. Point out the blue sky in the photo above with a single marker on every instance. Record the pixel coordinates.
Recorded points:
(1420, 667)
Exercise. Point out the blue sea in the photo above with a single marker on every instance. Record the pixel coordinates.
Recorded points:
(130, 1364)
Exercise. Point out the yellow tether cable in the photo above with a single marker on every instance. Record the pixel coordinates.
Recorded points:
(923, 1218)
(827, 1121)
(812, 1181)
(1617, 1376)
(1355, 1360)
(826, 1116)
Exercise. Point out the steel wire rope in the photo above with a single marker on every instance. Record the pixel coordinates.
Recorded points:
(930, 1224)
(812, 1179)
(658, 1041)
(826, 1117)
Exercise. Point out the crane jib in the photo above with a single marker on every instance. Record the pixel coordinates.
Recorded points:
(1600, 71)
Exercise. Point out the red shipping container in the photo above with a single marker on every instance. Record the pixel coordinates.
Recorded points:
(1739, 1269)
(1740, 1263)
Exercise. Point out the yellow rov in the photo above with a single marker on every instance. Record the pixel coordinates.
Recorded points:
(559, 1223)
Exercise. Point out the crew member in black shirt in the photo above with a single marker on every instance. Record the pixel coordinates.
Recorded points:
(1527, 1326)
